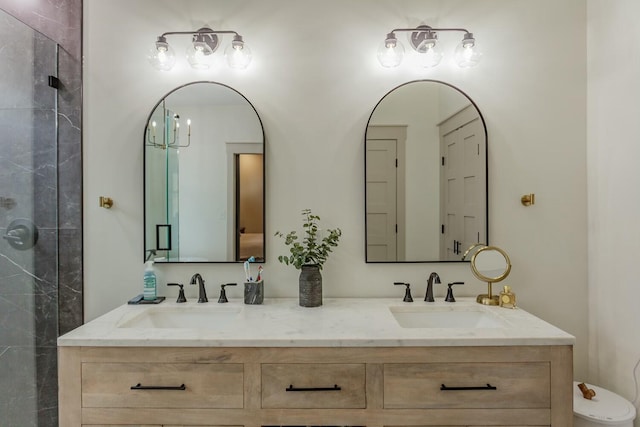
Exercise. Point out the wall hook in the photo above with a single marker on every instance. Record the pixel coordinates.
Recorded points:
(106, 202)
(528, 199)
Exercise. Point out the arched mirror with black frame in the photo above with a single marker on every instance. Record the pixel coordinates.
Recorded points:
(426, 185)
(204, 177)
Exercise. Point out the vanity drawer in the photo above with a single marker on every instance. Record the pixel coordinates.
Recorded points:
(159, 385)
(313, 386)
(465, 385)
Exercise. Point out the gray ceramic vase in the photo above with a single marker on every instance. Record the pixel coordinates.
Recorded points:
(310, 286)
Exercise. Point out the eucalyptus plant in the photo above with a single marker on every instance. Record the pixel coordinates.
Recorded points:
(312, 250)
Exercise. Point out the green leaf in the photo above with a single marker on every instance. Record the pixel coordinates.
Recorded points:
(311, 249)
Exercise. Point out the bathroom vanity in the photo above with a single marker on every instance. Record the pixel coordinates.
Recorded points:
(350, 362)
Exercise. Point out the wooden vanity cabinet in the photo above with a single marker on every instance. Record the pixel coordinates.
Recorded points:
(508, 386)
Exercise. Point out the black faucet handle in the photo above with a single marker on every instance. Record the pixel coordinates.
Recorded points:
(407, 292)
(450, 297)
(223, 293)
(181, 297)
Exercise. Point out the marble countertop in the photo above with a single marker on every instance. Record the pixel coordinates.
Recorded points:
(339, 322)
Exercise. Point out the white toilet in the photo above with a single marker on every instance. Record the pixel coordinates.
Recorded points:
(605, 409)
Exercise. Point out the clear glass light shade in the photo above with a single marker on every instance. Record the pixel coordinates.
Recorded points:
(199, 55)
(467, 54)
(390, 54)
(430, 57)
(238, 55)
(161, 56)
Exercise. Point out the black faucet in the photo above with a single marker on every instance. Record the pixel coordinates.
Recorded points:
(433, 278)
(202, 293)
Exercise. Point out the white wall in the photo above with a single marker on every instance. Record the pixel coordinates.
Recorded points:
(614, 198)
(314, 81)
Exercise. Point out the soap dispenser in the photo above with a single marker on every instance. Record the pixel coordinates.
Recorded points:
(150, 283)
(507, 298)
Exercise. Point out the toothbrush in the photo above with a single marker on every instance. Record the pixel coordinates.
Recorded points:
(247, 269)
(259, 276)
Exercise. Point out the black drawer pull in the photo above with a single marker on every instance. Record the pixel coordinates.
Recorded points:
(157, 387)
(334, 388)
(487, 387)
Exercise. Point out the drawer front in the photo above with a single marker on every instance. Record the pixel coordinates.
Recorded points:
(466, 385)
(313, 386)
(159, 385)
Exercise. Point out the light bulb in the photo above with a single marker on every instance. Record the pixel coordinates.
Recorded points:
(430, 57)
(391, 51)
(199, 55)
(238, 53)
(429, 54)
(161, 56)
(467, 53)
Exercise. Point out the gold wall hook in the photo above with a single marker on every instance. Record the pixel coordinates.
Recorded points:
(528, 199)
(106, 202)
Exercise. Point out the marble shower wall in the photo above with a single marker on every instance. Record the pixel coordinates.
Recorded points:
(41, 179)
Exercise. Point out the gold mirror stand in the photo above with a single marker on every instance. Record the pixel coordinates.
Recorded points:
(489, 298)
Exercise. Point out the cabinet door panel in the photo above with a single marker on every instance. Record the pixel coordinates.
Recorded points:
(293, 385)
(466, 385)
(206, 385)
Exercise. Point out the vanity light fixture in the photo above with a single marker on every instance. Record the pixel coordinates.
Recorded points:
(424, 40)
(172, 141)
(204, 43)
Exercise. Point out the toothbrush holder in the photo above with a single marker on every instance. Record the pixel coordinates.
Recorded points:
(254, 292)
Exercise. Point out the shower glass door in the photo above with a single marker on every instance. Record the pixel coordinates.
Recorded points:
(28, 226)
(162, 187)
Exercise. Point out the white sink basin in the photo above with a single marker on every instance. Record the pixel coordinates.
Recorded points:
(183, 318)
(446, 317)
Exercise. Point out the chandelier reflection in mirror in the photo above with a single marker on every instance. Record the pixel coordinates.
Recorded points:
(200, 53)
(167, 133)
(424, 41)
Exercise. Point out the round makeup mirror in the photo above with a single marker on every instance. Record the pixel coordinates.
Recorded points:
(490, 264)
